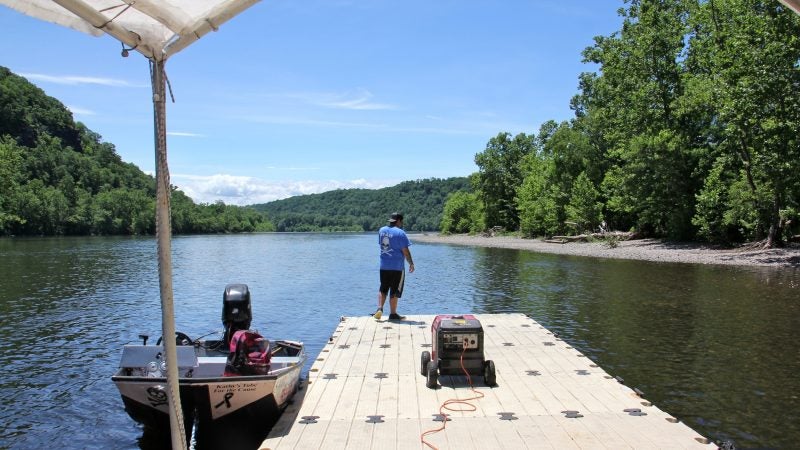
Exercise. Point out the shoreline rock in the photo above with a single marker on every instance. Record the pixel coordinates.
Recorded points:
(639, 249)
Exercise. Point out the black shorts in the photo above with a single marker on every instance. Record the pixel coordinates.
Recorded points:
(392, 282)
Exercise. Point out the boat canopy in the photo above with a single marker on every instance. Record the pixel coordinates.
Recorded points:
(155, 28)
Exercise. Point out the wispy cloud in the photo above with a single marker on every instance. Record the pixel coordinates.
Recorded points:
(283, 120)
(184, 134)
(358, 99)
(451, 127)
(81, 111)
(77, 80)
(243, 190)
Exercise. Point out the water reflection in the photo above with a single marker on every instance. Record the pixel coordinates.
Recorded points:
(714, 346)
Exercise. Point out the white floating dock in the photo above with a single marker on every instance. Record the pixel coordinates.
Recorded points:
(365, 391)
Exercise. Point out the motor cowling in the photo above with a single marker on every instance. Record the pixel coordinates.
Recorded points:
(236, 310)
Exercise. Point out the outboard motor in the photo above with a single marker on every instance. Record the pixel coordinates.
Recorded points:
(236, 312)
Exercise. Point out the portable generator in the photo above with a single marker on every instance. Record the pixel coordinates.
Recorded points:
(452, 337)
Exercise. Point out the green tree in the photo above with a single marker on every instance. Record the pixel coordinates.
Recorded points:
(583, 208)
(79, 220)
(10, 169)
(462, 213)
(27, 114)
(633, 109)
(539, 200)
(564, 152)
(42, 209)
(499, 177)
(123, 211)
(747, 52)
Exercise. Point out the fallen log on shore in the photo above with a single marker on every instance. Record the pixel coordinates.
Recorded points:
(618, 235)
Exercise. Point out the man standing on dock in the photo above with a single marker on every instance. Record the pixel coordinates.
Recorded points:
(394, 252)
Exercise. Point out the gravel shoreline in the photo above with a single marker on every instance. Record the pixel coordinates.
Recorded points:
(639, 249)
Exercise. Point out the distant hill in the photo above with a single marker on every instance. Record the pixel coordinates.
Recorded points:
(420, 201)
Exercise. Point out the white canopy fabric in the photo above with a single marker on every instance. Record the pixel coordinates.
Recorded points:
(155, 28)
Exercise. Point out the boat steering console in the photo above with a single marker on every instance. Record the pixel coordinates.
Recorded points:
(180, 339)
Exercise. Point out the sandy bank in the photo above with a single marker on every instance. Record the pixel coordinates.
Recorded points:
(641, 249)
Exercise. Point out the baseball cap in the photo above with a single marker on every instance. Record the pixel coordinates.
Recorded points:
(395, 217)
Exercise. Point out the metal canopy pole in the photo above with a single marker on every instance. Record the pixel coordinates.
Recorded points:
(163, 238)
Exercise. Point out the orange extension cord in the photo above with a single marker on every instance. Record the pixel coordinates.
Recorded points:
(453, 401)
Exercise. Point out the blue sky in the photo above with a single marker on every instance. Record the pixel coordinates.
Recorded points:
(298, 97)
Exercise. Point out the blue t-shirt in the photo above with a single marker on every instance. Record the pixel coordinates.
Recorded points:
(392, 241)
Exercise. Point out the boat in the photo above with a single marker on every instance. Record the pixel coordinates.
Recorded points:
(240, 380)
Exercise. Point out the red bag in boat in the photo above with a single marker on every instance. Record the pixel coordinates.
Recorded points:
(249, 354)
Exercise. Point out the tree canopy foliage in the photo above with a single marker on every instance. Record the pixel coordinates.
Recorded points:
(421, 203)
(690, 129)
(58, 178)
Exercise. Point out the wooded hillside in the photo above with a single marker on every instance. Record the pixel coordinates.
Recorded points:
(57, 177)
(420, 201)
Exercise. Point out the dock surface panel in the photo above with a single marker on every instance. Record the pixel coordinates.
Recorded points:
(365, 391)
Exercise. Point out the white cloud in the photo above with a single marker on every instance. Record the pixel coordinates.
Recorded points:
(81, 111)
(76, 80)
(358, 99)
(243, 190)
(282, 120)
(455, 127)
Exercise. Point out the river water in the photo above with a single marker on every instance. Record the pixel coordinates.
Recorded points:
(715, 346)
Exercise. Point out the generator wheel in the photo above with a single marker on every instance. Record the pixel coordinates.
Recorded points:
(489, 375)
(433, 375)
(426, 358)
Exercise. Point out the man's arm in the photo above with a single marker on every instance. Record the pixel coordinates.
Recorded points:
(407, 254)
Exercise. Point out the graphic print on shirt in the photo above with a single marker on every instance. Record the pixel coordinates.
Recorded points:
(386, 247)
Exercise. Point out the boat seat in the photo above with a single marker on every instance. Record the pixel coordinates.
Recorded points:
(210, 367)
(135, 356)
